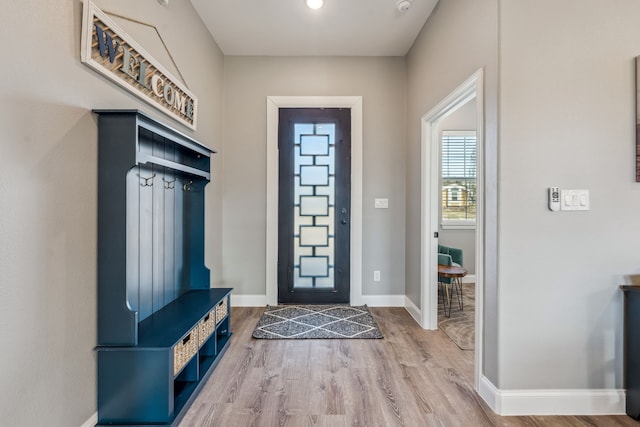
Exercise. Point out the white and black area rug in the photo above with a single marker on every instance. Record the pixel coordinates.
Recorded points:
(316, 321)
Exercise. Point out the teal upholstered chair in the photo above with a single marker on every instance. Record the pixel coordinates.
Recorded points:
(449, 256)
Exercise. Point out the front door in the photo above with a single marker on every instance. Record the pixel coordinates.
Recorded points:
(314, 202)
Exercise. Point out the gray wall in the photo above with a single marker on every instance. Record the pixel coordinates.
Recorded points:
(567, 89)
(573, 94)
(248, 82)
(441, 59)
(48, 199)
(462, 119)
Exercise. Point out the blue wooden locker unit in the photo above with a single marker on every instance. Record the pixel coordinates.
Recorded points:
(161, 329)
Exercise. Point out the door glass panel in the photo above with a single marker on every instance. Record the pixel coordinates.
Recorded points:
(314, 175)
(314, 236)
(314, 205)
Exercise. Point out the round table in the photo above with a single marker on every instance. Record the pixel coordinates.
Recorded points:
(455, 273)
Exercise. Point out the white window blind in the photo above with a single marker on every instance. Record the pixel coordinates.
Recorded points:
(459, 155)
(458, 172)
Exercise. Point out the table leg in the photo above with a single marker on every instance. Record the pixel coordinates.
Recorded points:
(458, 283)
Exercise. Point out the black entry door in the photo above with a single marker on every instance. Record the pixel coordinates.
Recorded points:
(314, 205)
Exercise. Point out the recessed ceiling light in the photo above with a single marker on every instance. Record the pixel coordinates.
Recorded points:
(315, 4)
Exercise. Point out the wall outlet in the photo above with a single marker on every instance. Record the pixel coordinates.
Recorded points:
(376, 275)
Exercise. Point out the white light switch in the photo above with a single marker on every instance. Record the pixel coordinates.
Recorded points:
(575, 200)
(381, 203)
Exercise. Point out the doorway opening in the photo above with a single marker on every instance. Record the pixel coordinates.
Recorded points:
(431, 197)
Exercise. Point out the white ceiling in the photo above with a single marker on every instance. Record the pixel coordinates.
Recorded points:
(290, 28)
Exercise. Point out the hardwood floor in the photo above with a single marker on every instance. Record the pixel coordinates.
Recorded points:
(410, 378)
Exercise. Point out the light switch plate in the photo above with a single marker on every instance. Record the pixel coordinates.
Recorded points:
(574, 200)
(381, 203)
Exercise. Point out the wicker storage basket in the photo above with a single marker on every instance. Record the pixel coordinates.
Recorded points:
(221, 310)
(206, 327)
(185, 350)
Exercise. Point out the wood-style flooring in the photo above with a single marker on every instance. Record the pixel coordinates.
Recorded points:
(410, 378)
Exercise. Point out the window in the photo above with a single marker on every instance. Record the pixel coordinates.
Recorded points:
(458, 179)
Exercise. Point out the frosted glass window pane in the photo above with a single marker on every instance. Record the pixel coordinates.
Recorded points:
(314, 175)
(328, 160)
(325, 282)
(314, 236)
(299, 220)
(327, 129)
(314, 205)
(300, 160)
(301, 282)
(314, 196)
(328, 190)
(314, 145)
(301, 190)
(299, 251)
(326, 251)
(300, 129)
(314, 266)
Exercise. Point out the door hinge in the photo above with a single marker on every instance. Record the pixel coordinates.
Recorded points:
(435, 234)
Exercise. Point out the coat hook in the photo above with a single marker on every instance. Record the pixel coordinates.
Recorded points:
(148, 182)
(169, 185)
(188, 187)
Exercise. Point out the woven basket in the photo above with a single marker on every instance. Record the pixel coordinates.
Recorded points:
(206, 327)
(221, 311)
(185, 350)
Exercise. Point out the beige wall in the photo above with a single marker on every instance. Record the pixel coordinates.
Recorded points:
(48, 199)
(248, 82)
(440, 60)
(567, 89)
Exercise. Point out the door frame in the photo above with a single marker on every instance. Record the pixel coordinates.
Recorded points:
(472, 88)
(274, 103)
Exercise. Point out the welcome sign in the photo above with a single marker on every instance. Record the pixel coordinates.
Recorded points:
(111, 52)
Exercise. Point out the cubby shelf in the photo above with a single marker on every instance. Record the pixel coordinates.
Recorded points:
(161, 328)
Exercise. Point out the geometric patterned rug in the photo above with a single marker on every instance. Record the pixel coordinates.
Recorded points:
(316, 321)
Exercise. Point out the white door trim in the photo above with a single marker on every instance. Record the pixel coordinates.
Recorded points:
(472, 88)
(273, 104)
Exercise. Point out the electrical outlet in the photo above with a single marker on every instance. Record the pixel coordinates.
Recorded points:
(376, 275)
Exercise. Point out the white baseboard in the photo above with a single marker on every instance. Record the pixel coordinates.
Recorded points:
(248, 300)
(91, 422)
(383, 300)
(553, 402)
(413, 310)
(489, 394)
